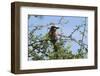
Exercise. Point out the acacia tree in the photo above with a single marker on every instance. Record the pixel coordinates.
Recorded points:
(41, 48)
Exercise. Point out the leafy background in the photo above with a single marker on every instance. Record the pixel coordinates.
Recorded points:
(72, 42)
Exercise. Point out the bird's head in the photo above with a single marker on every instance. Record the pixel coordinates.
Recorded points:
(53, 28)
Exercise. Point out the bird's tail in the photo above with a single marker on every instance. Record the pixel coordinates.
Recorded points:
(55, 49)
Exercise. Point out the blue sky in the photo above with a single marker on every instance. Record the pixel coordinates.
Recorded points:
(67, 25)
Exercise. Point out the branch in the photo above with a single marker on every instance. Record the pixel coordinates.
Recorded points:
(78, 27)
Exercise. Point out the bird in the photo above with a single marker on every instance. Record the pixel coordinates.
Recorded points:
(53, 36)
